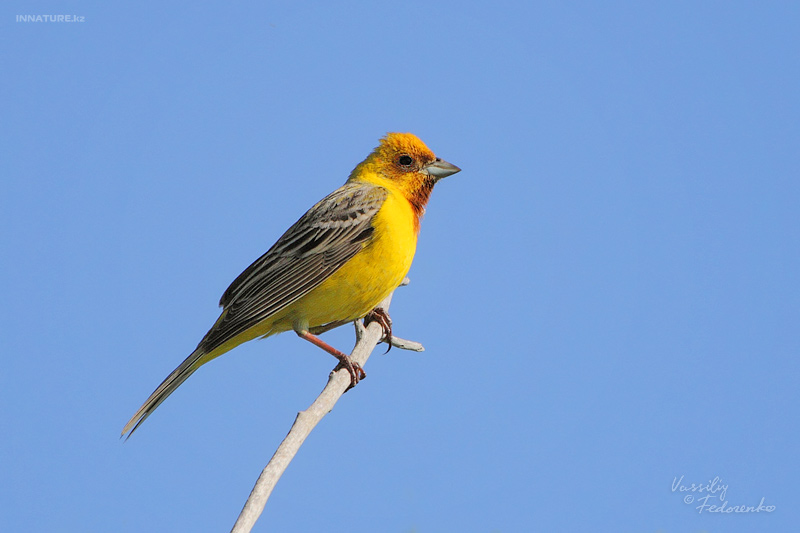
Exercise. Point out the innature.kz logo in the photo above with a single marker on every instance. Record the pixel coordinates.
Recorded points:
(50, 18)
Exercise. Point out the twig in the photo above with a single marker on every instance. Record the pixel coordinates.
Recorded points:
(367, 339)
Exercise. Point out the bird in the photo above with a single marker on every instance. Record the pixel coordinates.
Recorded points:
(333, 266)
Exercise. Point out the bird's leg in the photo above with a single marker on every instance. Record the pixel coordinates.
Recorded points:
(356, 372)
(380, 316)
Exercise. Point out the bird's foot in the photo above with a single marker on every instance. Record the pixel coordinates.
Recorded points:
(380, 316)
(354, 369)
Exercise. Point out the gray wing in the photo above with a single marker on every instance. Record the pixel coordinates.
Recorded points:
(316, 246)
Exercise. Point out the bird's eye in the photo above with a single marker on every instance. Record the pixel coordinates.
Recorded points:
(405, 160)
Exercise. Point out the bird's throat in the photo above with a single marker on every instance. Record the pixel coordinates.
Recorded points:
(418, 197)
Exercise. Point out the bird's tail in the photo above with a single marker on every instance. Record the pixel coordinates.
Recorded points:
(167, 387)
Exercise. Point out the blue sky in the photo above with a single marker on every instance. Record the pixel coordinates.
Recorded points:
(607, 292)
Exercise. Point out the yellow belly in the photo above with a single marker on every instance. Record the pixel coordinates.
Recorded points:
(358, 286)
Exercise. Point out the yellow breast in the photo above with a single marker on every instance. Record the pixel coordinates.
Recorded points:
(358, 286)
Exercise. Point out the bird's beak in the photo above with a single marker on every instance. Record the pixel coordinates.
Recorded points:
(441, 169)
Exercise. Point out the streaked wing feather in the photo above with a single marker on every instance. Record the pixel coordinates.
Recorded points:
(310, 251)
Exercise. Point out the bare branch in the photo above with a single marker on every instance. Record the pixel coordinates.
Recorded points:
(367, 339)
(405, 344)
(397, 342)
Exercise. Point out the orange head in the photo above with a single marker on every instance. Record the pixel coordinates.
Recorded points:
(402, 161)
